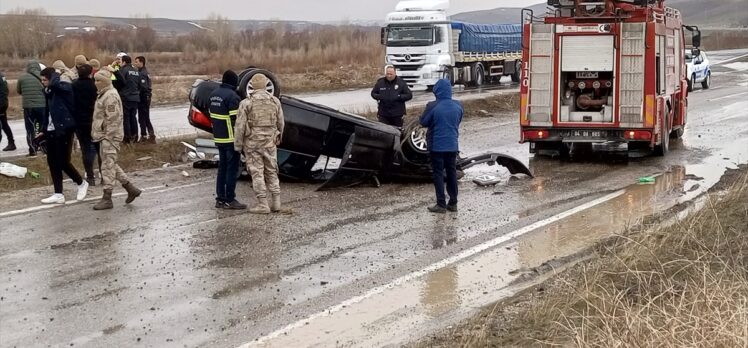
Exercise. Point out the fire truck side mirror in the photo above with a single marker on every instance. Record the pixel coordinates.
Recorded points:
(383, 36)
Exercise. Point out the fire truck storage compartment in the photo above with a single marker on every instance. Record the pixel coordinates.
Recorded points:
(587, 79)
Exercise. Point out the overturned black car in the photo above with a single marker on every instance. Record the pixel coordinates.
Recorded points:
(339, 148)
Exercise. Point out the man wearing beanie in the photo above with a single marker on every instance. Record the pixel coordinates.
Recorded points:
(224, 103)
(108, 133)
(66, 74)
(95, 64)
(80, 60)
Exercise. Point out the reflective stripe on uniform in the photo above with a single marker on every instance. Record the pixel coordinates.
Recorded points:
(230, 129)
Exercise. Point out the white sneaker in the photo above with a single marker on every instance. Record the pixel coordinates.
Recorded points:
(82, 190)
(57, 198)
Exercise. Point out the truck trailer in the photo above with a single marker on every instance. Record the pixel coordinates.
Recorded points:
(424, 45)
(607, 75)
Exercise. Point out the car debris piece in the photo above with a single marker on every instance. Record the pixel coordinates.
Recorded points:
(486, 180)
(647, 180)
(144, 158)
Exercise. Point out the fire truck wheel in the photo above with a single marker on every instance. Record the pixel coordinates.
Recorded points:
(677, 133)
(691, 82)
(707, 81)
(664, 147)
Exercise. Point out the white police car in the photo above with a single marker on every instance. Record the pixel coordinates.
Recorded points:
(698, 70)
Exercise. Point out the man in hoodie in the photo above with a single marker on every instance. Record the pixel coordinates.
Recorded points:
(84, 94)
(108, 133)
(224, 103)
(66, 74)
(128, 78)
(391, 92)
(259, 130)
(59, 134)
(144, 107)
(442, 117)
(34, 104)
(4, 115)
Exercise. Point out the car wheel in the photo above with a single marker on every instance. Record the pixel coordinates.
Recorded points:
(691, 82)
(414, 144)
(245, 88)
(707, 81)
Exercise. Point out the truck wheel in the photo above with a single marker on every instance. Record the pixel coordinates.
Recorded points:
(707, 81)
(664, 147)
(677, 133)
(691, 82)
(479, 75)
(273, 87)
(517, 71)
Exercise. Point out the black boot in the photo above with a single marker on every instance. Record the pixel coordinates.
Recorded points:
(11, 146)
(132, 192)
(105, 202)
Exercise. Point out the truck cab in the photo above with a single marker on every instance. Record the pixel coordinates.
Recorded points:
(417, 39)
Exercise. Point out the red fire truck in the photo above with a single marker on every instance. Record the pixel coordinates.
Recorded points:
(609, 75)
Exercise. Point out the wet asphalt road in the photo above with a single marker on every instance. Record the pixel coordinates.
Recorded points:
(171, 271)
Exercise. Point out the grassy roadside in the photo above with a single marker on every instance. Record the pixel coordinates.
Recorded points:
(132, 158)
(684, 285)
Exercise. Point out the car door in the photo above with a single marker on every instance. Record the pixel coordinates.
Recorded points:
(698, 66)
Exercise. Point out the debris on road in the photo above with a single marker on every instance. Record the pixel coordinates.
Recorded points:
(185, 174)
(12, 170)
(647, 180)
(144, 158)
(486, 180)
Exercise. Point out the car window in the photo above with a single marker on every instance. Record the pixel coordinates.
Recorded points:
(689, 57)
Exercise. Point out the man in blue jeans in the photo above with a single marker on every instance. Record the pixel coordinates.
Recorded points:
(224, 105)
(442, 117)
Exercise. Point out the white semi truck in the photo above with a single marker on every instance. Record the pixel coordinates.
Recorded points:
(424, 45)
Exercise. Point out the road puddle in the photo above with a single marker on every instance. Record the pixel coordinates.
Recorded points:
(409, 308)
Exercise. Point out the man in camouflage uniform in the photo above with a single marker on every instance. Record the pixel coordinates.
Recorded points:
(108, 133)
(259, 128)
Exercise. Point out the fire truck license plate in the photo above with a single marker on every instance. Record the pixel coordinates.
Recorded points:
(586, 75)
(587, 134)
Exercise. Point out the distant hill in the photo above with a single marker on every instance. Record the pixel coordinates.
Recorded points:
(713, 13)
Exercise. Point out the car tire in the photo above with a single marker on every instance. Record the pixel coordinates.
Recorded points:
(244, 87)
(707, 81)
(413, 143)
(691, 82)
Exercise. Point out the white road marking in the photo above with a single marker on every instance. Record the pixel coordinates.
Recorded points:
(52, 206)
(729, 60)
(433, 267)
(728, 96)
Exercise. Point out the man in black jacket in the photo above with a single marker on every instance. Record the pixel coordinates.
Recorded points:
(128, 85)
(59, 135)
(84, 94)
(4, 116)
(391, 92)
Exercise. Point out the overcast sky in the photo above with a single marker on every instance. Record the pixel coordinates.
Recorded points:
(311, 10)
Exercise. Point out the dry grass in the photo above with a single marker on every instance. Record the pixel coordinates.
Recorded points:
(152, 156)
(685, 285)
